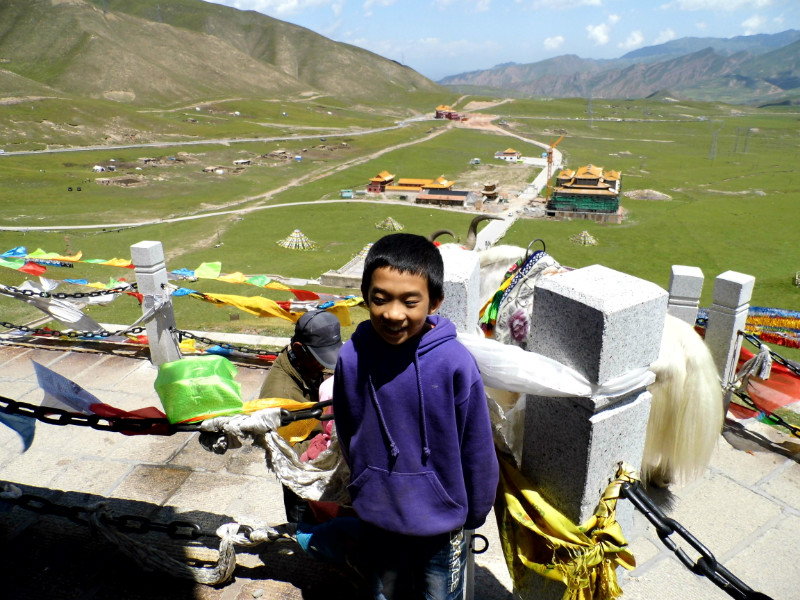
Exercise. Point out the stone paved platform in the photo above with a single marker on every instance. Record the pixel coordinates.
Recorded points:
(746, 509)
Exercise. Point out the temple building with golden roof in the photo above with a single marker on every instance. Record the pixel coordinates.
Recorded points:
(587, 189)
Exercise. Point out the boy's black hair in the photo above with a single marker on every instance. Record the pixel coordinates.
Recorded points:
(406, 253)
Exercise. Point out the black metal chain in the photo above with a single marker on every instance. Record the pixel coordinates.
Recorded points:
(312, 412)
(41, 331)
(134, 425)
(706, 565)
(188, 334)
(62, 296)
(186, 530)
(753, 339)
(772, 417)
(58, 416)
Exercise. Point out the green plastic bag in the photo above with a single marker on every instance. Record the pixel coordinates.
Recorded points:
(198, 387)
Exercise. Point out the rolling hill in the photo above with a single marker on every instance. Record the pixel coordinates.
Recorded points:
(148, 52)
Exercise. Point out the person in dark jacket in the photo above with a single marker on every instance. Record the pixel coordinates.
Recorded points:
(414, 428)
(297, 374)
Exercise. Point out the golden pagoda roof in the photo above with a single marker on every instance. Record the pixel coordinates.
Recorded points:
(589, 171)
(383, 176)
(419, 182)
(441, 182)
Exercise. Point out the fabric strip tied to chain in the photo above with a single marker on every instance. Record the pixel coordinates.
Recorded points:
(537, 537)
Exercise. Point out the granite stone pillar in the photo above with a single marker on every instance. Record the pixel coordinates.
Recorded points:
(462, 283)
(604, 324)
(685, 287)
(726, 318)
(151, 277)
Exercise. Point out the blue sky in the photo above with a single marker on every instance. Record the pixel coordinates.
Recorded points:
(446, 37)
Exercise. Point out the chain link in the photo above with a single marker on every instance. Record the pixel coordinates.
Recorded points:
(179, 530)
(62, 296)
(245, 349)
(61, 417)
(135, 425)
(753, 339)
(706, 565)
(775, 419)
(43, 331)
(312, 412)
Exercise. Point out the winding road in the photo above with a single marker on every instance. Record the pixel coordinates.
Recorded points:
(476, 121)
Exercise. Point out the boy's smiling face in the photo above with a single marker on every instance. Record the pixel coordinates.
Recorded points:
(398, 304)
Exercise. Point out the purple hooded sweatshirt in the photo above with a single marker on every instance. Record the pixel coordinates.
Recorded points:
(414, 428)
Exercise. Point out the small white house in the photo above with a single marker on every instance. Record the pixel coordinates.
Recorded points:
(509, 155)
(98, 168)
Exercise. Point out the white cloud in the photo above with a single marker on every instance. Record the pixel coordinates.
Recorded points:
(368, 4)
(701, 26)
(475, 6)
(554, 42)
(566, 4)
(598, 34)
(635, 40)
(613, 19)
(284, 7)
(665, 36)
(754, 24)
(717, 5)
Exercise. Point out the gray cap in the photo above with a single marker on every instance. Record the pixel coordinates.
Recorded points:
(319, 331)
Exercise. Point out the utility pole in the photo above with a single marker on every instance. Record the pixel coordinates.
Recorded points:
(550, 166)
(712, 152)
(589, 109)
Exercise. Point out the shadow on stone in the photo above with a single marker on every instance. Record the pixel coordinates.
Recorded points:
(46, 554)
(743, 439)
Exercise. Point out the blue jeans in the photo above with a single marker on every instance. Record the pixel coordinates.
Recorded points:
(395, 566)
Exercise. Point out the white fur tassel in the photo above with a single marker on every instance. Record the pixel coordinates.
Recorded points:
(686, 415)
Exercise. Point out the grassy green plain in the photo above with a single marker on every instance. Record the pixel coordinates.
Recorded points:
(730, 172)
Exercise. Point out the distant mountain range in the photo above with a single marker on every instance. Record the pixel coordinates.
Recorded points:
(174, 52)
(166, 52)
(755, 69)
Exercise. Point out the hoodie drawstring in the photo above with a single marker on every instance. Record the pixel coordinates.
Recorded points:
(392, 446)
(426, 451)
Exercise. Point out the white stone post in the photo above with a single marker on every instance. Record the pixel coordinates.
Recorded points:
(151, 277)
(462, 285)
(685, 287)
(604, 324)
(726, 318)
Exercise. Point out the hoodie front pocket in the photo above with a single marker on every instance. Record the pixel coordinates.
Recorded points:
(410, 503)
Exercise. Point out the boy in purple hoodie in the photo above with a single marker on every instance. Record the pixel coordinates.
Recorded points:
(414, 428)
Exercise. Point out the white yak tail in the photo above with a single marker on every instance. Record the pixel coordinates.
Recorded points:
(686, 416)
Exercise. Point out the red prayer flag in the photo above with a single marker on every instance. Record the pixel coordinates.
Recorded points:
(32, 268)
(305, 295)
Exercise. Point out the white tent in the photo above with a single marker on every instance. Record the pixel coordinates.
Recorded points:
(297, 240)
(389, 224)
(584, 238)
